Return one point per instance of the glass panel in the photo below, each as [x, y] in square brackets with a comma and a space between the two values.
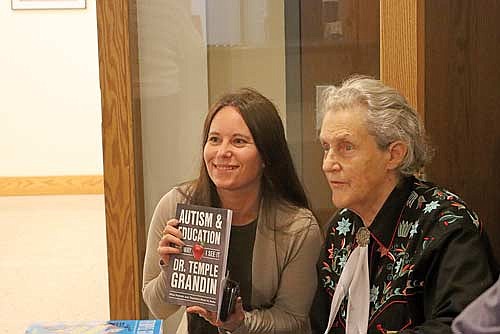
[338, 38]
[174, 92]
[191, 52]
[246, 48]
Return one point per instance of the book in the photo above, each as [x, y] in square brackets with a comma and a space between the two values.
[196, 276]
[97, 327]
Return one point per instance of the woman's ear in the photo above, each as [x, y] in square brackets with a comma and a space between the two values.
[397, 152]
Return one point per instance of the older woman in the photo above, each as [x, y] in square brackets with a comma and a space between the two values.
[401, 255]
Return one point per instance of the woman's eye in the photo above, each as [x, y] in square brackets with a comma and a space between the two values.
[346, 147]
[213, 139]
[239, 141]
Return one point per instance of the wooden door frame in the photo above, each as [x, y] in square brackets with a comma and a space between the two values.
[122, 155]
[402, 59]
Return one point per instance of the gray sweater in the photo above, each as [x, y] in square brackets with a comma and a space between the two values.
[283, 269]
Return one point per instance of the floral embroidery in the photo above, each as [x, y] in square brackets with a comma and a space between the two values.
[431, 206]
[451, 196]
[421, 200]
[384, 251]
[388, 293]
[344, 226]
[473, 216]
[399, 263]
[394, 278]
[411, 199]
[426, 242]
[373, 294]
[448, 217]
[414, 229]
[342, 260]
[401, 258]
[404, 228]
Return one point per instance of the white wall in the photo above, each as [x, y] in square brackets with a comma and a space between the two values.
[50, 112]
[255, 59]
[53, 262]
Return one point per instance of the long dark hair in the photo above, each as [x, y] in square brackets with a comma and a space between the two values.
[280, 182]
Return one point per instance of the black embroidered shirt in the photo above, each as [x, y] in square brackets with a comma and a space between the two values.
[428, 259]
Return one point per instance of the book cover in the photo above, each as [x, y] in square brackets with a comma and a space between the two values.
[196, 276]
[97, 327]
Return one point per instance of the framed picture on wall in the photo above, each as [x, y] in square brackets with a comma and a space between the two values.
[48, 4]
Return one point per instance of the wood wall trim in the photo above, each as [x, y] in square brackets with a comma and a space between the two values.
[402, 48]
[51, 185]
[118, 69]
[463, 103]
[444, 56]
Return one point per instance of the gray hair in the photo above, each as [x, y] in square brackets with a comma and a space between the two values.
[389, 117]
